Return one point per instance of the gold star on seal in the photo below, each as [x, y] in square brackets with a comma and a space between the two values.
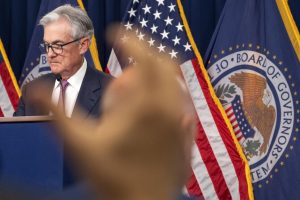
[286, 155]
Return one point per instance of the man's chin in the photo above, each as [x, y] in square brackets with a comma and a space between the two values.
[55, 70]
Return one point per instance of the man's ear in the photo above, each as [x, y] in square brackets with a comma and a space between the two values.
[84, 45]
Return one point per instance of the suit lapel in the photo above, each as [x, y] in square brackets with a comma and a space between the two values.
[90, 91]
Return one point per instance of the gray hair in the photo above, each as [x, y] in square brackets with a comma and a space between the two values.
[80, 22]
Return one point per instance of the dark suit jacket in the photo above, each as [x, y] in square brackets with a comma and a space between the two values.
[88, 99]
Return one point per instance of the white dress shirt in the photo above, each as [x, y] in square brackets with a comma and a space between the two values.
[72, 89]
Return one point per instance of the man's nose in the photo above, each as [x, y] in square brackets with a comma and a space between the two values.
[50, 52]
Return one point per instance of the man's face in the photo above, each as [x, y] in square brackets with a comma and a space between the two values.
[70, 59]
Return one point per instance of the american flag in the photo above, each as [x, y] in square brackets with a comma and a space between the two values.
[9, 89]
[240, 124]
[218, 166]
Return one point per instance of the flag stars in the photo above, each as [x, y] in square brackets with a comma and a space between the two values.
[31, 63]
[187, 47]
[128, 26]
[146, 9]
[168, 21]
[297, 130]
[151, 42]
[161, 48]
[173, 54]
[160, 2]
[295, 93]
[141, 36]
[176, 41]
[130, 60]
[154, 29]
[157, 14]
[179, 27]
[136, 1]
[267, 182]
[250, 45]
[280, 62]
[295, 138]
[274, 57]
[124, 38]
[260, 185]
[257, 47]
[143, 23]
[291, 147]
[282, 163]
[287, 156]
[293, 84]
[165, 34]
[285, 69]
[172, 7]
[132, 12]
[230, 48]
[222, 52]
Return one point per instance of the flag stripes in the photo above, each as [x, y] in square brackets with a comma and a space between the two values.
[220, 162]
[9, 89]
[1, 113]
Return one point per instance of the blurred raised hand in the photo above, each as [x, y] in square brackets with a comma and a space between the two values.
[140, 148]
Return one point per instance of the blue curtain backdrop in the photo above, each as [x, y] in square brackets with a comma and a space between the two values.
[18, 18]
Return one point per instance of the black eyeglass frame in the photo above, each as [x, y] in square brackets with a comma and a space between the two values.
[57, 47]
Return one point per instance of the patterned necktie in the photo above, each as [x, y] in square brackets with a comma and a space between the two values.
[61, 101]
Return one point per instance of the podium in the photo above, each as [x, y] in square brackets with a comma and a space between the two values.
[31, 154]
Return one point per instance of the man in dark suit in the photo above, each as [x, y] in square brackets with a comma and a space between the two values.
[72, 84]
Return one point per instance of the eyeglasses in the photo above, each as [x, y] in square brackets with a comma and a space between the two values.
[56, 48]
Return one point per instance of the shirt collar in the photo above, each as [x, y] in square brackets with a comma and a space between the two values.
[76, 79]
